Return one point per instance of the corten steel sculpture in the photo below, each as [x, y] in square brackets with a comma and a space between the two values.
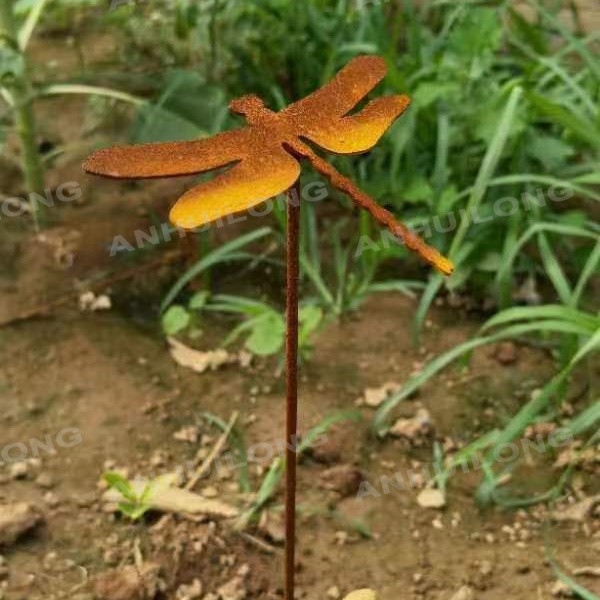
[265, 157]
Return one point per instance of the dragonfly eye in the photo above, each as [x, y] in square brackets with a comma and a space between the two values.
[249, 106]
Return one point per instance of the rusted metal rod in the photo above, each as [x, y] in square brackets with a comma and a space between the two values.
[291, 371]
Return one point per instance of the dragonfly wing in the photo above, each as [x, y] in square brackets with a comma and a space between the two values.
[170, 159]
[341, 94]
[268, 172]
[357, 133]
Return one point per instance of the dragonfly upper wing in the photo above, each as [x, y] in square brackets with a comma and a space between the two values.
[169, 159]
[266, 173]
[322, 116]
[357, 133]
[338, 97]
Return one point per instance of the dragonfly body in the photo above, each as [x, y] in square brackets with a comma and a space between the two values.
[264, 156]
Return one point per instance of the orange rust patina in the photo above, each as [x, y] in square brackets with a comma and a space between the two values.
[264, 155]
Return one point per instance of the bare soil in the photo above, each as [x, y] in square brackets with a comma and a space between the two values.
[109, 377]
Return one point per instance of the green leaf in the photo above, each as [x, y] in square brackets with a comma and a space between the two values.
[490, 262]
[12, 65]
[198, 300]
[310, 318]
[121, 484]
[550, 151]
[577, 588]
[529, 412]
[589, 269]
[477, 36]
[188, 108]
[418, 190]
[176, 319]
[429, 92]
[267, 335]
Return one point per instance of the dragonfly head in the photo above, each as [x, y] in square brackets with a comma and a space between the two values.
[251, 106]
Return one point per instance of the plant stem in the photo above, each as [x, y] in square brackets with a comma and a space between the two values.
[291, 369]
[22, 95]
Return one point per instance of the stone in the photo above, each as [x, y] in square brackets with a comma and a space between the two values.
[16, 520]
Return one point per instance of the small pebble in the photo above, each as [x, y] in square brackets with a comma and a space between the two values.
[18, 470]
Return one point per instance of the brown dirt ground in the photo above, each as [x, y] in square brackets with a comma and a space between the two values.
[110, 376]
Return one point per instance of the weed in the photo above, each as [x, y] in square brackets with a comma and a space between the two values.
[578, 333]
[134, 505]
[270, 483]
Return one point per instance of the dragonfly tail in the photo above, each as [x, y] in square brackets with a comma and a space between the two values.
[381, 215]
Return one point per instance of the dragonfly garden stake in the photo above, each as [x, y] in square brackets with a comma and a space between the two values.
[264, 161]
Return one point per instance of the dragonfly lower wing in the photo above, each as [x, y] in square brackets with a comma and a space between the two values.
[358, 133]
[257, 178]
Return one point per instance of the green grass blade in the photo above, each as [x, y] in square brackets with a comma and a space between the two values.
[584, 129]
[397, 285]
[484, 176]
[325, 424]
[576, 42]
[578, 589]
[270, 484]
[30, 23]
[527, 414]
[590, 267]
[488, 165]
[559, 228]
[554, 270]
[585, 420]
[236, 441]
[541, 179]
[316, 279]
[380, 421]
[226, 252]
[89, 90]
[433, 285]
[548, 311]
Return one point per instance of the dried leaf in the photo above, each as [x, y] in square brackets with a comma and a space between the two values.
[173, 499]
[196, 360]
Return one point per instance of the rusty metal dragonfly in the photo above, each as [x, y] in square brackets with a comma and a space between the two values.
[264, 155]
